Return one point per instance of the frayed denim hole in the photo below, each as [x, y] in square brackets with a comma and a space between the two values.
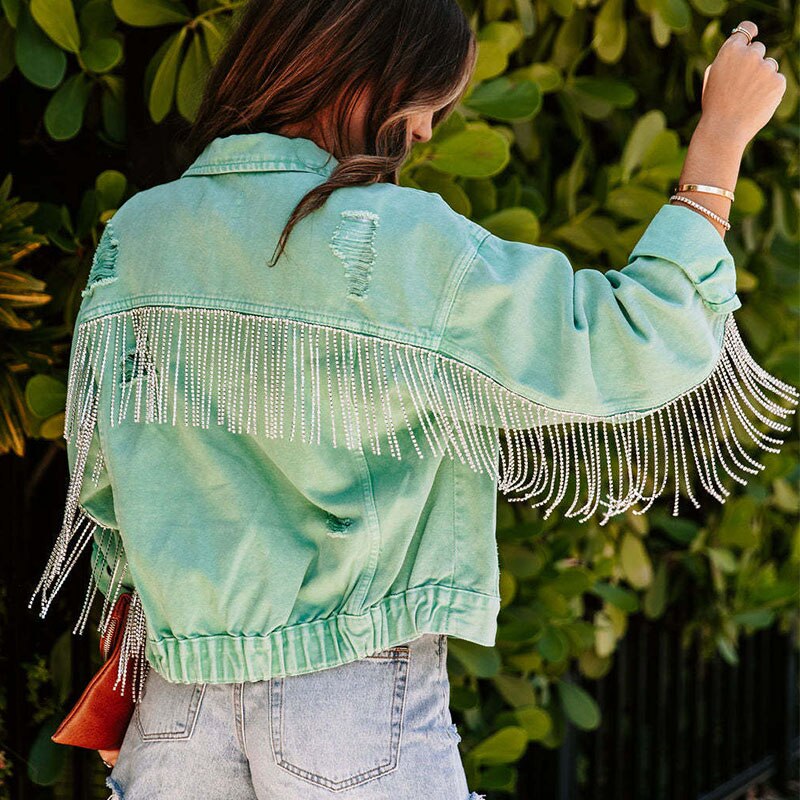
[338, 526]
[104, 262]
[452, 731]
[133, 367]
[476, 796]
[353, 244]
[116, 789]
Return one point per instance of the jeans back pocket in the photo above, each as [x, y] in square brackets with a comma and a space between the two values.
[340, 727]
[168, 710]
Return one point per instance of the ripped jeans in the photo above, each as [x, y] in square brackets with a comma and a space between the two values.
[374, 729]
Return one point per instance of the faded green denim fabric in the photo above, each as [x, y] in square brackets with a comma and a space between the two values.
[297, 466]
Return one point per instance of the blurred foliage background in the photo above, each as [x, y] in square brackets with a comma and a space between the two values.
[571, 135]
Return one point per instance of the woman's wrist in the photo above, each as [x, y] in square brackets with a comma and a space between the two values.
[713, 157]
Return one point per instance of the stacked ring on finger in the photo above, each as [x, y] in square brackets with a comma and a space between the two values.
[746, 32]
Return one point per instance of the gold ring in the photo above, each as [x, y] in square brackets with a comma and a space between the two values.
[746, 32]
[770, 58]
[110, 766]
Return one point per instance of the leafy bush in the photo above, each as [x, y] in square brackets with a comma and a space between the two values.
[571, 135]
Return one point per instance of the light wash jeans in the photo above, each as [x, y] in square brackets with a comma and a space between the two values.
[375, 729]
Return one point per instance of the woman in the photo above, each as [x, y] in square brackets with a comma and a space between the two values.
[321, 340]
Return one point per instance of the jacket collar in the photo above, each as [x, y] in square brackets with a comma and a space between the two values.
[262, 152]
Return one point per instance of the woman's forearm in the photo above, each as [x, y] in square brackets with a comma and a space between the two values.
[711, 158]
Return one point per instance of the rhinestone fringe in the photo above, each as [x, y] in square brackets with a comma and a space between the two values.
[284, 378]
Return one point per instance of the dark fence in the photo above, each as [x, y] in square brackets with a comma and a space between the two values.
[676, 727]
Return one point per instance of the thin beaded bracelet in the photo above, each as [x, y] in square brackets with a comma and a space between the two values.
[722, 221]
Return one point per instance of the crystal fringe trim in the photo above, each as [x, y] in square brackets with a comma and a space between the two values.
[70, 544]
[285, 378]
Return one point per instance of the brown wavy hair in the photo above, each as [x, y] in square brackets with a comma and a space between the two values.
[289, 61]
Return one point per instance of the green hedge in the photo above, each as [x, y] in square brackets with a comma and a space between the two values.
[571, 136]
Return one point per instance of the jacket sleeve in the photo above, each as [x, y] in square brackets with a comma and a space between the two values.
[613, 355]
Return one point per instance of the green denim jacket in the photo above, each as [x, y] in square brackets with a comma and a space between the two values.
[297, 466]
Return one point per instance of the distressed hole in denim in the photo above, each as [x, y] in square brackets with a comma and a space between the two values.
[353, 242]
[135, 364]
[338, 526]
[476, 796]
[453, 732]
[104, 262]
[116, 789]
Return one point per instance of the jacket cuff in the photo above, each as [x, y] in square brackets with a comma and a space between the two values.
[690, 240]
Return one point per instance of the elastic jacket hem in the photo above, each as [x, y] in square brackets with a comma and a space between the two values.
[329, 642]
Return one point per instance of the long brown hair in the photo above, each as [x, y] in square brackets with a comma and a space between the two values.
[289, 60]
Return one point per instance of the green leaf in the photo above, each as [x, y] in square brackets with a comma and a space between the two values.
[737, 528]
[503, 747]
[192, 78]
[213, 37]
[516, 691]
[619, 596]
[97, 20]
[499, 776]
[640, 140]
[723, 559]
[727, 649]
[46, 760]
[57, 19]
[527, 18]
[102, 55]
[506, 100]
[750, 198]
[113, 108]
[52, 427]
[45, 395]
[598, 97]
[634, 202]
[675, 13]
[508, 35]
[110, 185]
[756, 619]
[680, 529]
[63, 116]
[11, 10]
[163, 87]
[480, 661]
[579, 707]
[553, 645]
[514, 224]
[711, 8]
[635, 562]
[41, 61]
[610, 32]
[149, 13]
[655, 599]
[483, 196]
[492, 61]
[6, 48]
[473, 153]
[61, 665]
[536, 722]
[572, 582]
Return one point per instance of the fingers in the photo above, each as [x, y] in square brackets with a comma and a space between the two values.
[740, 38]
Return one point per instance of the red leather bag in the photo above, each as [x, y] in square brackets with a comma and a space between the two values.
[100, 718]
